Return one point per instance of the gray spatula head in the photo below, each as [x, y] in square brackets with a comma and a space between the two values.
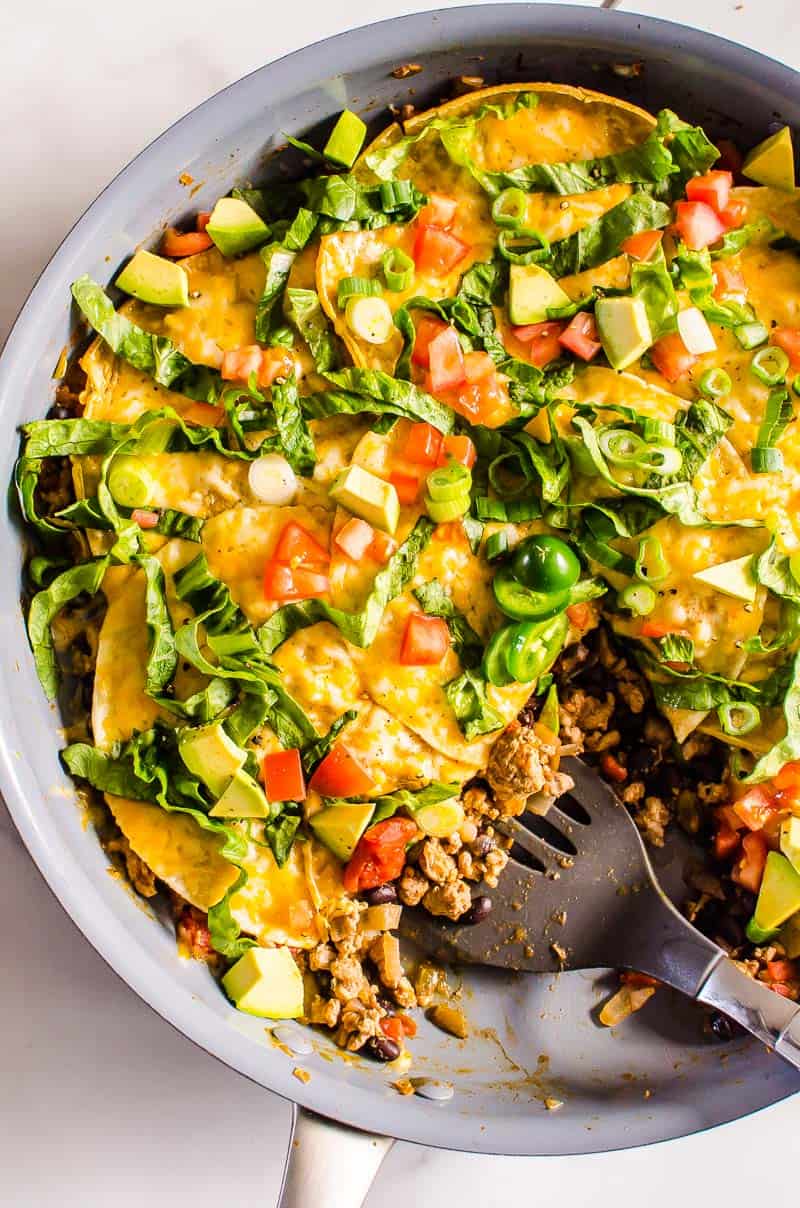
[578, 893]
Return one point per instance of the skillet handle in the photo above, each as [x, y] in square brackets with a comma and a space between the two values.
[768, 1016]
[329, 1165]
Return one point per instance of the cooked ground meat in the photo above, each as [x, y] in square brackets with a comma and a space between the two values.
[140, 875]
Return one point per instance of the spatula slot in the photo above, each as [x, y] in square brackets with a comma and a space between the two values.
[526, 858]
[573, 810]
[549, 834]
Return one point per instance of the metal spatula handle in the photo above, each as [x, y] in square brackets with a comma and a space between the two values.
[768, 1016]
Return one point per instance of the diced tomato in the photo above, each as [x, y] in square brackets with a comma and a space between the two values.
[671, 357]
[428, 327]
[450, 533]
[726, 816]
[749, 870]
[380, 854]
[782, 989]
[145, 519]
[355, 538]
[782, 971]
[642, 245]
[631, 977]
[238, 364]
[203, 219]
[733, 215]
[282, 773]
[613, 768]
[409, 1025]
[383, 546]
[755, 807]
[340, 775]
[205, 415]
[423, 444]
[788, 338]
[482, 402]
[439, 212]
[407, 487]
[446, 361]
[184, 243]
[727, 280]
[296, 547]
[425, 642]
[287, 584]
[788, 778]
[392, 1026]
[579, 615]
[697, 224]
[726, 841]
[275, 363]
[457, 448]
[437, 251]
[655, 629]
[713, 188]
[730, 157]
[478, 366]
[543, 340]
[580, 337]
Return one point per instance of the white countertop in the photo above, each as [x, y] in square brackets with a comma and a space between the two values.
[102, 1102]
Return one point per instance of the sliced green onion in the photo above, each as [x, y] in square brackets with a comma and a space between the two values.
[769, 365]
[558, 517]
[715, 383]
[449, 482]
[532, 247]
[620, 446]
[750, 335]
[765, 459]
[398, 269]
[661, 459]
[794, 567]
[496, 545]
[639, 598]
[796, 384]
[651, 565]
[515, 510]
[281, 337]
[130, 481]
[738, 717]
[357, 287]
[396, 194]
[509, 208]
[658, 431]
[443, 510]
[500, 483]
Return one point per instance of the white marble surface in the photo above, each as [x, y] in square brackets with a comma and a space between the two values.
[101, 1101]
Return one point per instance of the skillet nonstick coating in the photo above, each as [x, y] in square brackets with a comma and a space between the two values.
[533, 1037]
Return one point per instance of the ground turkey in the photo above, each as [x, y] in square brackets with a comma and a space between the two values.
[520, 765]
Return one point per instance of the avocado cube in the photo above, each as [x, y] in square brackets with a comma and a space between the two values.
[779, 896]
[346, 139]
[211, 755]
[772, 161]
[790, 936]
[734, 578]
[367, 496]
[235, 227]
[266, 982]
[340, 827]
[624, 329]
[790, 841]
[531, 293]
[243, 798]
[153, 279]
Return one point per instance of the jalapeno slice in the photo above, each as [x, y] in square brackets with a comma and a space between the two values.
[495, 666]
[532, 647]
[521, 603]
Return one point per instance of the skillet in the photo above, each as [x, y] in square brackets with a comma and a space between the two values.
[533, 1038]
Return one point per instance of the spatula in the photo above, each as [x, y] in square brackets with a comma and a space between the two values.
[579, 892]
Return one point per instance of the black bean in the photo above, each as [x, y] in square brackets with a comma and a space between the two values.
[482, 845]
[480, 909]
[382, 895]
[382, 1048]
[641, 759]
[722, 1028]
[664, 781]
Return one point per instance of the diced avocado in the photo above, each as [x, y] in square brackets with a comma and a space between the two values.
[772, 161]
[624, 329]
[153, 279]
[209, 753]
[235, 227]
[549, 716]
[790, 841]
[441, 818]
[531, 293]
[340, 827]
[266, 982]
[779, 896]
[243, 798]
[790, 936]
[367, 496]
[346, 140]
[732, 578]
[130, 482]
